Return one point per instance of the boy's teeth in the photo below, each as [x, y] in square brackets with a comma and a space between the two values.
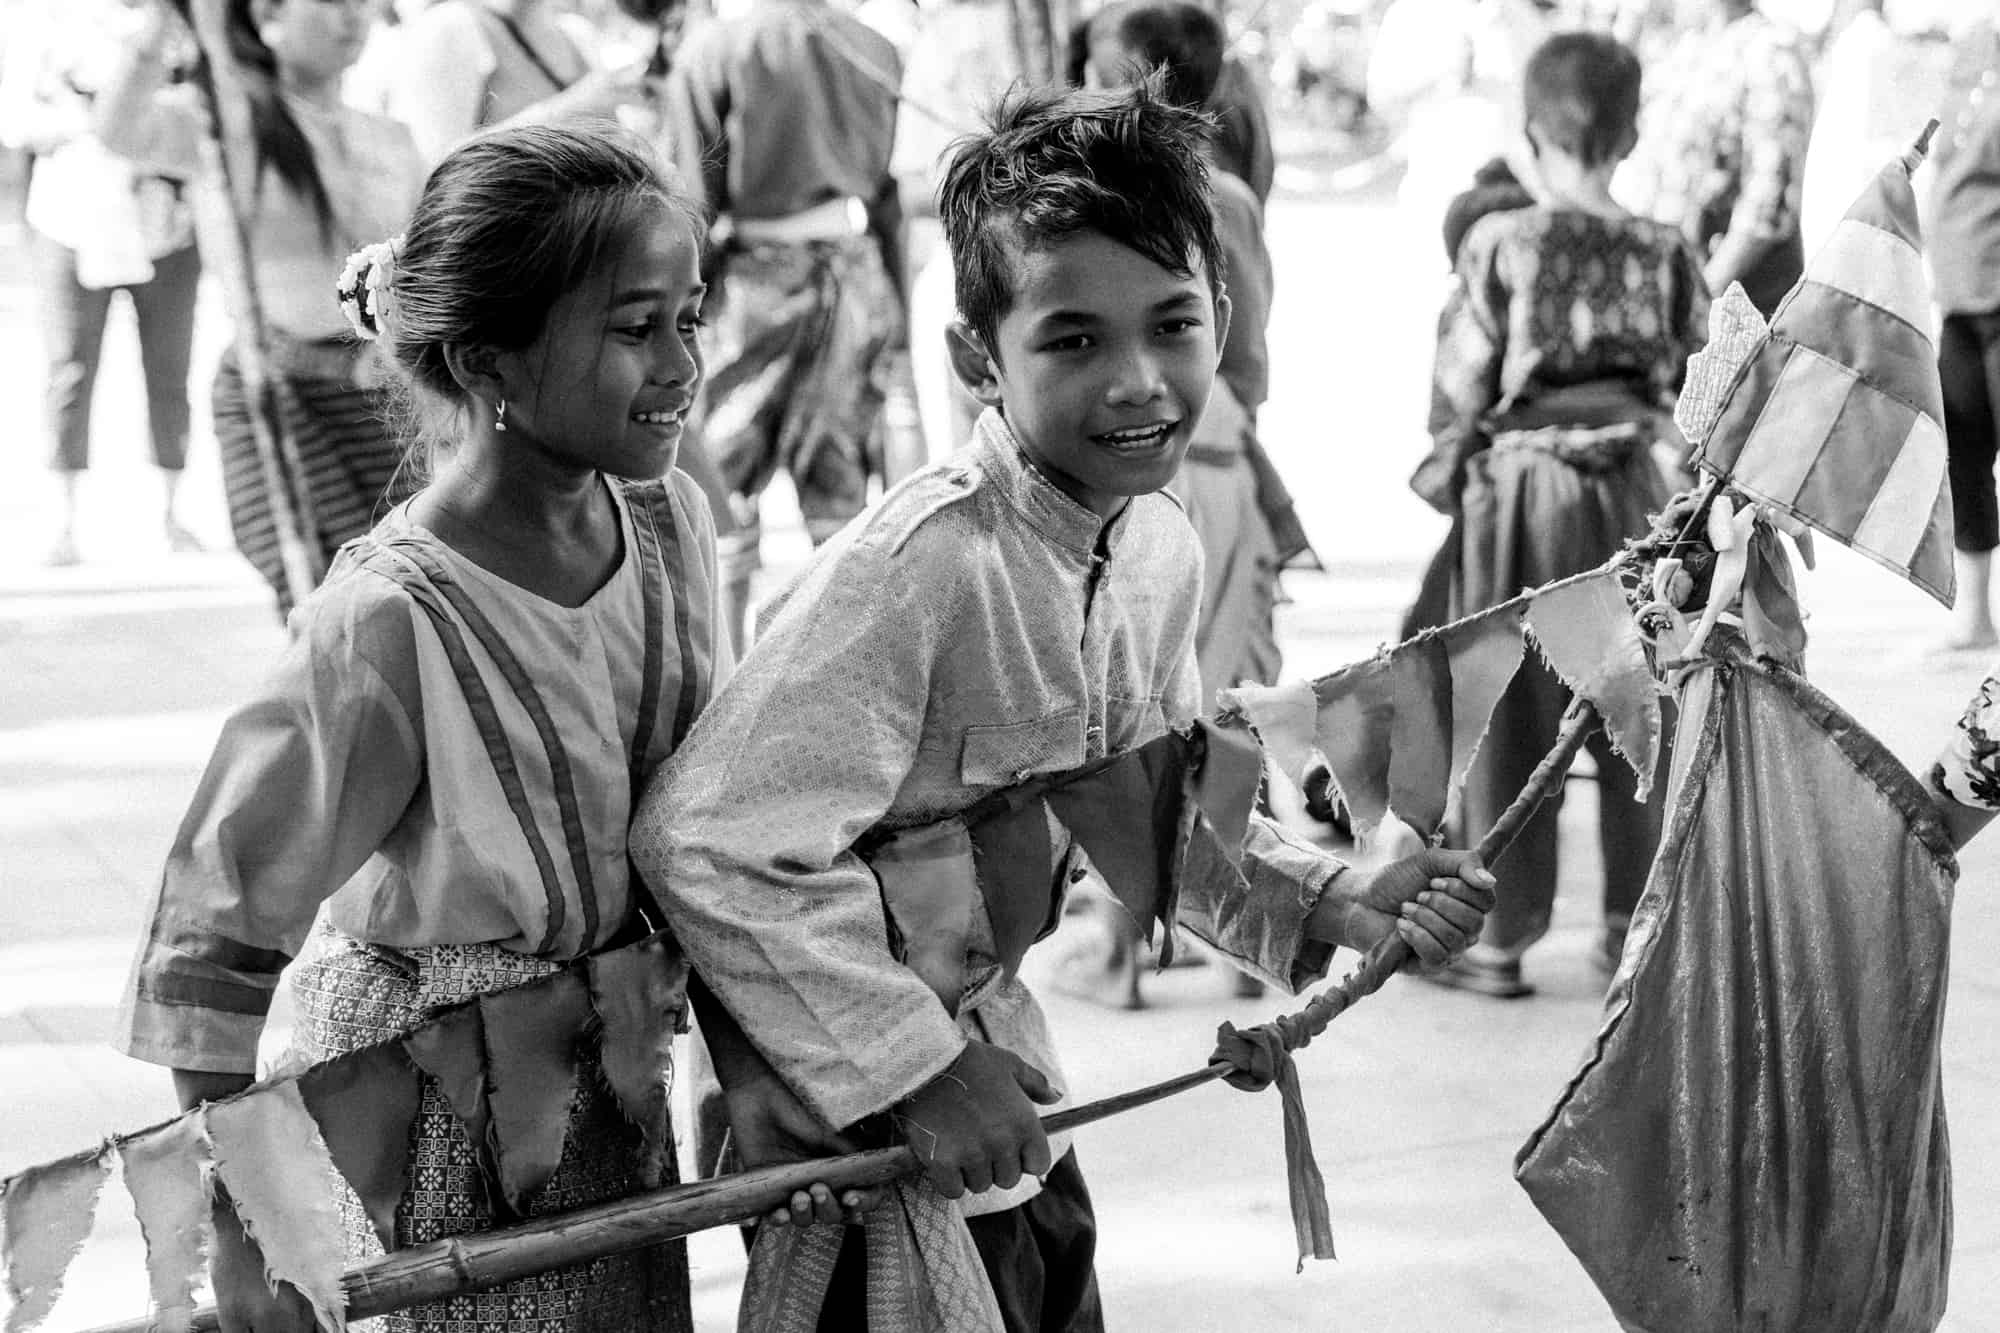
[656, 418]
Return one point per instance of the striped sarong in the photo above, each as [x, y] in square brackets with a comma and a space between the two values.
[349, 452]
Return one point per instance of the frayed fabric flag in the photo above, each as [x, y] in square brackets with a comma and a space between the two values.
[364, 1104]
[1485, 652]
[1586, 633]
[927, 879]
[639, 994]
[270, 1158]
[1127, 817]
[46, 1212]
[451, 1048]
[1285, 718]
[162, 1169]
[1354, 727]
[1013, 856]
[1420, 734]
[532, 1034]
[1223, 781]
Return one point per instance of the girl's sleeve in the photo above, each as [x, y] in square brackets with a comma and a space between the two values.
[1968, 771]
[306, 781]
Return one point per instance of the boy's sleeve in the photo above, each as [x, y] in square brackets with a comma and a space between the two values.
[1256, 915]
[746, 836]
[1465, 377]
[306, 781]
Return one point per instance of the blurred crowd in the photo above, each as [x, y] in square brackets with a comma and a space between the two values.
[1684, 147]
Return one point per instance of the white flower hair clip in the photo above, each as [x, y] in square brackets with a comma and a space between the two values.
[366, 286]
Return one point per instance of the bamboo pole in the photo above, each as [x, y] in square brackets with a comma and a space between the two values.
[460, 1264]
[225, 244]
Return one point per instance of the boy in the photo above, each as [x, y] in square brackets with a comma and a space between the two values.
[1021, 609]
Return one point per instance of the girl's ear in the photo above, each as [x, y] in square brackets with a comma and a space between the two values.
[476, 367]
[972, 364]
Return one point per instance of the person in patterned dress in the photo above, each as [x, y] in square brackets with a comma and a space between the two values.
[1567, 332]
[440, 770]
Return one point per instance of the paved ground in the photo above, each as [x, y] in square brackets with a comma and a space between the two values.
[117, 675]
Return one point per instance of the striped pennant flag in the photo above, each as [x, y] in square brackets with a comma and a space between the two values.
[1835, 416]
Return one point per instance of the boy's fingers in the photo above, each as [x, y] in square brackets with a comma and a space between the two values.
[1425, 945]
[1035, 1158]
[1461, 914]
[1033, 1082]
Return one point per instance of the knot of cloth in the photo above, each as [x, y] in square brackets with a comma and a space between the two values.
[1258, 1057]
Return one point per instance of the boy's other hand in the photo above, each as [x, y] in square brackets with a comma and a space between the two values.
[769, 1125]
[976, 1125]
[1437, 900]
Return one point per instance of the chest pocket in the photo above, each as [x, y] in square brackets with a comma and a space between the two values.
[996, 756]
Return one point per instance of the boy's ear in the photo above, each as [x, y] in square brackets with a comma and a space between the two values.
[1224, 310]
[972, 364]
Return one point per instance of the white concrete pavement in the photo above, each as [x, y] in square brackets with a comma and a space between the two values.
[116, 675]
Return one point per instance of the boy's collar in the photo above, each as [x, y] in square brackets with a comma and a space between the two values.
[1049, 511]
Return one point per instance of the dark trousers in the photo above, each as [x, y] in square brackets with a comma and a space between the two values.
[73, 318]
[1969, 366]
[1040, 1258]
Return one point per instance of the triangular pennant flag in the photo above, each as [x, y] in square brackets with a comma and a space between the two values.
[639, 994]
[450, 1046]
[1420, 732]
[271, 1160]
[1225, 781]
[1013, 853]
[1357, 710]
[162, 1168]
[365, 1103]
[46, 1212]
[532, 1037]
[1485, 652]
[1585, 630]
[1837, 415]
[927, 878]
[1285, 718]
[1127, 818]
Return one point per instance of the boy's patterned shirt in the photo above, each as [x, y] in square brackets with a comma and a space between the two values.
[959, 637]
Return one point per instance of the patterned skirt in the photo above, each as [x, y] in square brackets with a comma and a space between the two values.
[349, 995]
[346, 448]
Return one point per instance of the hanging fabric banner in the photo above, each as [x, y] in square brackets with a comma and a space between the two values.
[270, 1158]
[639, 995]
[46, 1213]
[532, 1033]
[1586, 633]
[364, 1104]
[1127, 818]
[162, 1169]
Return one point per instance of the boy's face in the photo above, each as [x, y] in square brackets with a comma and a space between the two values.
[1103, 366]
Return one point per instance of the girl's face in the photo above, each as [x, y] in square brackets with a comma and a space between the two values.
[609, 383]
[316, 40]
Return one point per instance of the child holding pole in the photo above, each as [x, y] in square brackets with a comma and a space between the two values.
[441, 767]
[1020, 609]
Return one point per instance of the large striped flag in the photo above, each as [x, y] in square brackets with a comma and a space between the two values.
[1836, 414]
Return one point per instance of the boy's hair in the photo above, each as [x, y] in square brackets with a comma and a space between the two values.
[1055, 163]
[1183, 41]
[1580, 95]
[506, 224]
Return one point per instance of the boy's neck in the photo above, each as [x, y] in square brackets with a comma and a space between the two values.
[1567, 183]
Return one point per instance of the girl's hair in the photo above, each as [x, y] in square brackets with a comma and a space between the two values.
[1581, 95]
[280, 143]
[507, 223]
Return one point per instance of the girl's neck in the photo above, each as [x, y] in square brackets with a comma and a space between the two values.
[314, 91]
[518, 490]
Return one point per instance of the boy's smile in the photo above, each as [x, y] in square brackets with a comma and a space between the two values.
[1103, 366]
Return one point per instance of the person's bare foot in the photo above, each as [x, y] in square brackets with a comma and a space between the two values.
[1964, 639]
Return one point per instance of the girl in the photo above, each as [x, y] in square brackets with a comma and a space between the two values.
[443, 763]
[318, 180]
[1567, 333]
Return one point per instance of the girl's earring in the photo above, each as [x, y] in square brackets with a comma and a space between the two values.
[500, 416]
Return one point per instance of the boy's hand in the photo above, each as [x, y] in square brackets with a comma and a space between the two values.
[975, 1126]
[1437, 900]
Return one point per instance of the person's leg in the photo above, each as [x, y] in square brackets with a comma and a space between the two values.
[165, 311]
[837, 401]
[1041, 1257]
[1968, 368]
[72, 320]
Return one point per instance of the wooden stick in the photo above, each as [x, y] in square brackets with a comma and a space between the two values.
[452, 1267]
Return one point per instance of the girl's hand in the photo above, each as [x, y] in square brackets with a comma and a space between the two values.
[245, 1302]
[770, 1125]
